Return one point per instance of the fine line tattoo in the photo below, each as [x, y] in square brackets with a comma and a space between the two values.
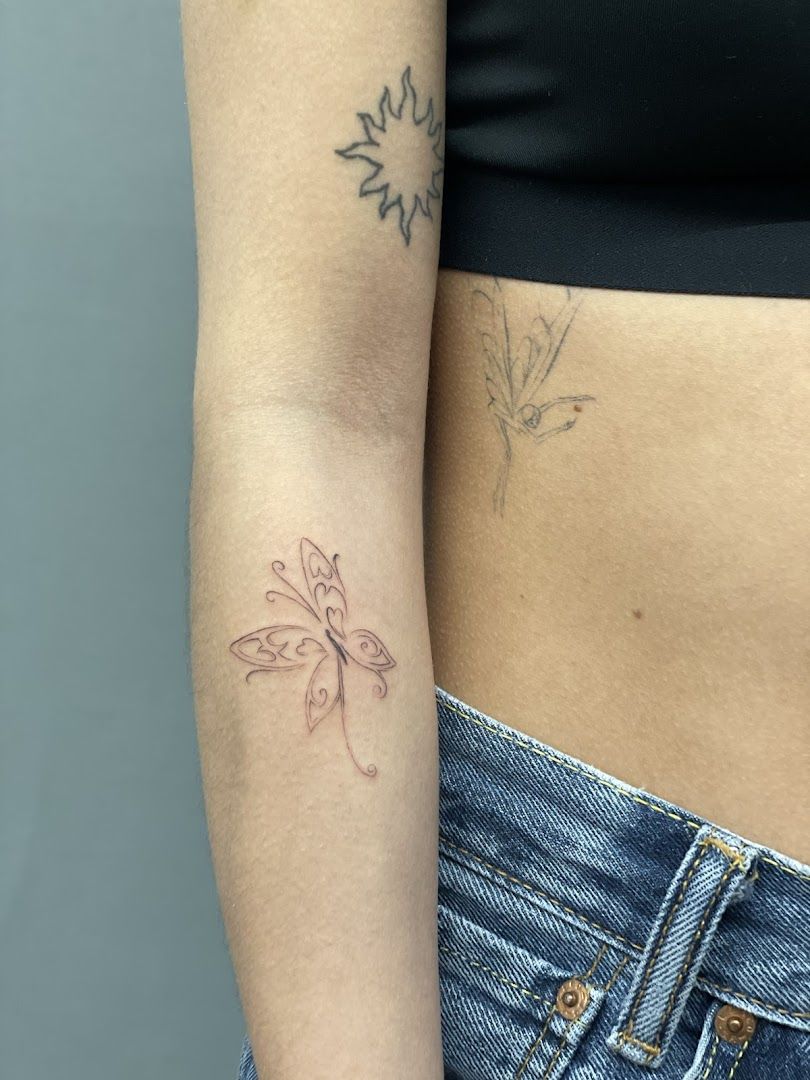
[514, 376]
[318, 639]
[402, 146]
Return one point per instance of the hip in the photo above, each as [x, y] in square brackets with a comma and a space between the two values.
[588, 929]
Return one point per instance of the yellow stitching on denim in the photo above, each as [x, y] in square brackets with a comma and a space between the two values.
[540, 892]
[597, 960]
[533, 1048]
[753, 1000]
[734, 856]
[562, 1044]
[612, 980]
[490, 971]
[651, 1050]
[712, 1055]
[574, 1020]
[571, 1023]
[785, 869]
[695, 939]
[662, 938]
[605, 783]
[618, 937]
[567, 765]
[738, 1059]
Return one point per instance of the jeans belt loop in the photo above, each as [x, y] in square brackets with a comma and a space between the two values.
[711, 875]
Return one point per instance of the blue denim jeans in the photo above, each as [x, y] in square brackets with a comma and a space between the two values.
[590, 930]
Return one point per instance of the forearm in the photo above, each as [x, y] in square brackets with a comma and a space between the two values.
[326, 873]
[317, 154]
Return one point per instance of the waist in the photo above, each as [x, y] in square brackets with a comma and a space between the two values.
[618, 541]
[603, 855]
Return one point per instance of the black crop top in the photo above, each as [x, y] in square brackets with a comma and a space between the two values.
[635, 144]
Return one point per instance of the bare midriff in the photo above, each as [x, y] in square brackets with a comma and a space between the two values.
[632, 588]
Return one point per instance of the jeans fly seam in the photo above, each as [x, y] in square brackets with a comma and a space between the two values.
[606, 783]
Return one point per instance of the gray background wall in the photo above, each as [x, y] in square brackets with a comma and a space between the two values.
[112, 961]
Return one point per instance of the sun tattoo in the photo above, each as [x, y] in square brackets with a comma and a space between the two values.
[515, 375]
[320, 640]
[403, 149]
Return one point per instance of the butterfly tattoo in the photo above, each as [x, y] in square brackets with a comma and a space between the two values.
[516, 369]
[317, 637]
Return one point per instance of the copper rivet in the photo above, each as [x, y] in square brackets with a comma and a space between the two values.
[734, 1025]
[572, 999]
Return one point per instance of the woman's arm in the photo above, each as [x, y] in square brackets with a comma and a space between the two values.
[315, 312]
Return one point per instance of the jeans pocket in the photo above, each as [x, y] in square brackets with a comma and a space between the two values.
[507, 1013]
[737, 1044]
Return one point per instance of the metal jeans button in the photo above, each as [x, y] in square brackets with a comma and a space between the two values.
[572, 999]
[734, 1025]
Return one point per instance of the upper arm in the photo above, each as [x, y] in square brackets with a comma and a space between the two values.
[317, 146]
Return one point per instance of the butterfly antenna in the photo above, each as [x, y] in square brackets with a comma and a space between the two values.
[277, 567]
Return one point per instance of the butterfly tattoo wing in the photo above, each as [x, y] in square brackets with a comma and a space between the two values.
[545, 340]
[278, 648]
[284, 648]
[490, 317]
[324, 586]
[367, 650]
[324, 690]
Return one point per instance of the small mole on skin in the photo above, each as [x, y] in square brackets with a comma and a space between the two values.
[637, 612]
[577, 408]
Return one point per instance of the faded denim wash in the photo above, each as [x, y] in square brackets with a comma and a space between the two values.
[590, 930]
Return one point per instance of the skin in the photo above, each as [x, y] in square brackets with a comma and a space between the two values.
[678, 495]
[643, 603]
[311, 381]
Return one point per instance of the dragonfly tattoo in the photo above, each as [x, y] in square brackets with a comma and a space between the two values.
[318, 639]
[515, 375]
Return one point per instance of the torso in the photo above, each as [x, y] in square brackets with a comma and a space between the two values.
[635, 589]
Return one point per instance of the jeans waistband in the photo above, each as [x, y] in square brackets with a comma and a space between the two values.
[621, 862]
